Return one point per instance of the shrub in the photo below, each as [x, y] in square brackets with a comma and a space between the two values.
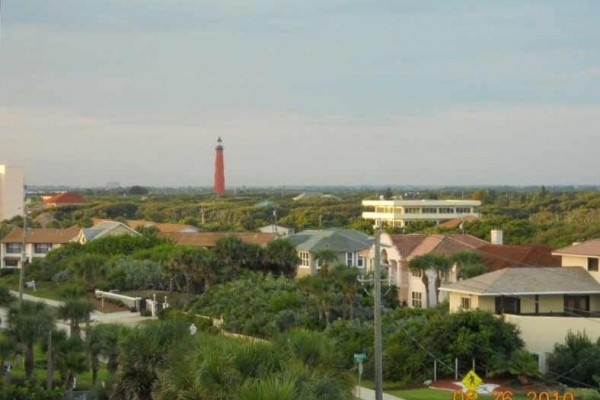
[62, 276]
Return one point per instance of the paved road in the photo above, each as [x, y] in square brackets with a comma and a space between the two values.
[368, 394]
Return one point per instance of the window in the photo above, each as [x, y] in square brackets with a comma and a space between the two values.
[417, 273]
[463, 210]
[11, 263]
[446, 210]
[508, 305]
[13, 248]
[412, 210]
[592, 264]
[417, 299]
[349, 259]
[361, 262]
[42, 248]
[465, 303]
[429, 210]
[305, 258]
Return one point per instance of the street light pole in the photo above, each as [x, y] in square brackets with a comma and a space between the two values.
[377, 315]
[23, 250]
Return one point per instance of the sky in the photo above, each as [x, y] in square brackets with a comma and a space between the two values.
[302, 92]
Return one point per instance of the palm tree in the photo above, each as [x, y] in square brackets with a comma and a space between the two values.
[427, 262]
[163, 254]
[469, 264]
[281, 257]
[76, 311]
[89, 268]
[322, 290]
[345, 278]
[70, 360]
[7, 350]
[232, 255]
[27, 323]
[324, 257]
[144, 352]
[103, 341]
[195, 264]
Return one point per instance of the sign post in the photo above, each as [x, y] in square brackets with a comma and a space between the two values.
[360, 358]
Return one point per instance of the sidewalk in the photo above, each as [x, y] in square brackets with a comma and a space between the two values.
[368, 394]
[28, 297]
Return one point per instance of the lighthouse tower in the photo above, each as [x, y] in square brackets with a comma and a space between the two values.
[219, 187]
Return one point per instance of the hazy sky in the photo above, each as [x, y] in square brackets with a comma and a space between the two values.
[339, 92]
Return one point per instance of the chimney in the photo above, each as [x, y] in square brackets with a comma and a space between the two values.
[497, 236]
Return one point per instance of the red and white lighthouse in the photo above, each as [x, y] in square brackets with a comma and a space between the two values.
[219, 186]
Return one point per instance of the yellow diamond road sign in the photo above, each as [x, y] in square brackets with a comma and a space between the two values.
[472, 380]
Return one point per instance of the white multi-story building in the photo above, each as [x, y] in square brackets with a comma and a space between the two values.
[398, 213]
[12, 191]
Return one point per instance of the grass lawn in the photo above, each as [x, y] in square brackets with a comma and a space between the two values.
[435, 394]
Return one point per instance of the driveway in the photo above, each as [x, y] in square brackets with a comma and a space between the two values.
[121, 317]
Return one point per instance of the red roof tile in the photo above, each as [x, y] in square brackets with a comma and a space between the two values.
[65, 198]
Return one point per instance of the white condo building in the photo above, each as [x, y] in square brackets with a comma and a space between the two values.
[398, 213]
[12, 192]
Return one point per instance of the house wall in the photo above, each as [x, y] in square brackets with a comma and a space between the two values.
[579, 261]
[304, 270]
[483, 303]
[29, 250]
[574, 261]
[541, 333]
[487, 304]
[554, 303]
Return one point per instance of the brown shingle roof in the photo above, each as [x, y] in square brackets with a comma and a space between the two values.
[413, 245]
[455, 223]
[587, 248]
[497, 257]
[54, 236]
[162, 227]
[209, 239]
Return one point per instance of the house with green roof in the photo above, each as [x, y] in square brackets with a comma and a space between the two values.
[104, 229]
[351, 248]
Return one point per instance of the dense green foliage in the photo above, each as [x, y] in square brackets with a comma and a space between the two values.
[576, 361]
[162, 360]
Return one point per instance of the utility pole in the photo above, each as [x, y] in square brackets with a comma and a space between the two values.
[23, 250]
[377, 315]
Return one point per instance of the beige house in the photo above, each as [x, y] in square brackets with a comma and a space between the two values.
[585, 255]
[399, 213]
[398, 250]
[545, 303]
[38, 243]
